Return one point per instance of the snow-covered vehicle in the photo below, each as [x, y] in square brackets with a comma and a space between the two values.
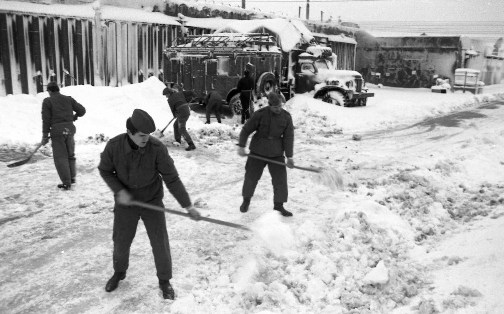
[217, 62]
[441, 85]
[468, 79]
[315, 69]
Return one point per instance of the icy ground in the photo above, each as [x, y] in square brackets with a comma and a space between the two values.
[418, 228]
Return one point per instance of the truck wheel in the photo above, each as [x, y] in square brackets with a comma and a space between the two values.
[266, 83]
[235, 105]
[333, 97]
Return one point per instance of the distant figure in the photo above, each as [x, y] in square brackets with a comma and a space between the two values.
[273, 138]
[213, 103]
[57, 120]
[179, 106]
[245, 87]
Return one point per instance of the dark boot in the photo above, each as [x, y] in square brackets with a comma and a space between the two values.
[114, 281]
[191, 147]
[245, 205]
[167, 289]
[64, 187]
[282, 210]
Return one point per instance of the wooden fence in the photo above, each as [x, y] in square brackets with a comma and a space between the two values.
[36, 49]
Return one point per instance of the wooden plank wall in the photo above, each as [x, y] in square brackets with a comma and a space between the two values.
[35, 50]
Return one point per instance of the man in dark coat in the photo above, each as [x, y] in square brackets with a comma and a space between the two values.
[134, 166]
[213, 103]
[179, 106]
[245, 87]
[274, 137]
[57, 121]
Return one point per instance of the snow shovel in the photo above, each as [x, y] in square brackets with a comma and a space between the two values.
[176, 212]
[167, 125]
[329, 177]
[24, 161]
[316, 170]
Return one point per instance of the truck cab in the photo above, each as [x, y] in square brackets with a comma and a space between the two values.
[314, 68]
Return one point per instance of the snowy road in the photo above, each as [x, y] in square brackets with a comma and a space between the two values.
[407, 190]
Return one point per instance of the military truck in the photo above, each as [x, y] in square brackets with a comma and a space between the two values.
[218, 61]
[314, 68]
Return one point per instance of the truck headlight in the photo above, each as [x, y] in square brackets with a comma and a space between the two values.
[350, 94]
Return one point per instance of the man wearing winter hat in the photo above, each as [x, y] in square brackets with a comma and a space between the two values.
[179, 107]
[273, 138]
[57, 120]
[134, 166]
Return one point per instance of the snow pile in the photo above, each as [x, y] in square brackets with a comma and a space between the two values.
[344, 251]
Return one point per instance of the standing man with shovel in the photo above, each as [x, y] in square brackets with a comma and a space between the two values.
[274, 137]
[134, 166]
[57, 121]
[179, 106]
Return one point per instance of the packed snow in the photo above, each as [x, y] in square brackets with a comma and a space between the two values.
[416, 225]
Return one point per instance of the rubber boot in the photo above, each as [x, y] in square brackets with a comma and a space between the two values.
[167, 289]
[279, 206]
[114, 281]
[190, 147]
[245, 205]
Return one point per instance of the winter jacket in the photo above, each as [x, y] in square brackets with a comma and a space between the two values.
[274, 133]
[245, 87]
[179, 105]
[141, 171]
[58, 113]
[213, 99]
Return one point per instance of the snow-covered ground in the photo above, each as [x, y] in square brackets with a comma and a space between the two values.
[418, 228]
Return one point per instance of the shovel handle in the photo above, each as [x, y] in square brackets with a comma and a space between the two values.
[176, 212]
[168, 124]
[284, 164]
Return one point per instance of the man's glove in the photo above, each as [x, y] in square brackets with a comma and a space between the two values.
[193, 212]
[75, 117]
[45, 139]
[241, 151]
[290, 163]
[123, 197]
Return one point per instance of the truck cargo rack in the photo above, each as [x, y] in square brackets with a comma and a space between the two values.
[228, 41]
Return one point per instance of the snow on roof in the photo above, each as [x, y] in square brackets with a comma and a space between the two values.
[213, 23]
[290, 32]
[318, 50]
[200, 5]
[87, 11]
[337, 38]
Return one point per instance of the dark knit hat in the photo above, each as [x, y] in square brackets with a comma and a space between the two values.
[53, 87]
[142, 121]
[168, 91]
[274, 99]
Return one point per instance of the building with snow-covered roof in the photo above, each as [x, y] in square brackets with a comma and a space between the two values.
[79, 44]
[415, 61]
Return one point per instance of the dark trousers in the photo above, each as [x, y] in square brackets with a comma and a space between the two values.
[180, 130]
[216, 108]
[63, 147]
[125, 225]
[245, 104]
[253, 172]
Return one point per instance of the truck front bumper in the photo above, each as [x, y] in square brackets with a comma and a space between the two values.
[362, 95]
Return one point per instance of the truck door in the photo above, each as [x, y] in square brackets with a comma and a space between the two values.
[305, 77]
[173, 74]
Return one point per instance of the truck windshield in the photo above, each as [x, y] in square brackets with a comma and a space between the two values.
[321, 65]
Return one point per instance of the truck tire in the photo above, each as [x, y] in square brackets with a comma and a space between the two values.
[266, 83]
[235, 105]
[333, 97]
